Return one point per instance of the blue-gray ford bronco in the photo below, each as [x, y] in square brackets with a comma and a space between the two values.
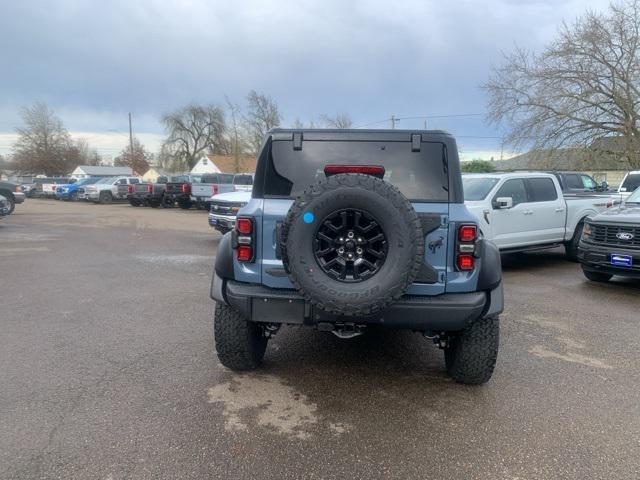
[353, 228]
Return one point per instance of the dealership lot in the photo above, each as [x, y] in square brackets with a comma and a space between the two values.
[108, 370]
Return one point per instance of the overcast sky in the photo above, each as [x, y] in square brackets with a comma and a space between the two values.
[94, 61]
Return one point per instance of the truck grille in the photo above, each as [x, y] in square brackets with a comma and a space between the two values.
[80, 190]
[225, 208]
[608, 235]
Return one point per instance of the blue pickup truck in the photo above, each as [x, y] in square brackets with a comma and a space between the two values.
[348, 229]
[69, 191]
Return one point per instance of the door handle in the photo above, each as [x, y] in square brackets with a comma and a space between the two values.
[528, 212]
[559, 209]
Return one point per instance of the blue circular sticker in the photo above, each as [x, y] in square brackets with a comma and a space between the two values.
[308, 217]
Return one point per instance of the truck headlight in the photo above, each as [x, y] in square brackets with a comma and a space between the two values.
[587, 230]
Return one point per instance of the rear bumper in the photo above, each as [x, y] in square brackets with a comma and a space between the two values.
[222, 222]
[596, 258]
[446, 312]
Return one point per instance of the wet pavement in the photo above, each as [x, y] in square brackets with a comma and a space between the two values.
[109, 370]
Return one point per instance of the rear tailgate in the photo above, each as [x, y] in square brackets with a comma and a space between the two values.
[175, 188]
[202, 190]
[122, 191]
[420, 175]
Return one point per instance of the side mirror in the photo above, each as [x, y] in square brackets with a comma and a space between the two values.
[504, 202]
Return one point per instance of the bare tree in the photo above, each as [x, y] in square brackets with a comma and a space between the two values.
[262, 115]
[237, 140]
[86, 155]
[583, 87]
[194, 130]
[297, 123]
[137, 160]
[43, 144]
[339, 120]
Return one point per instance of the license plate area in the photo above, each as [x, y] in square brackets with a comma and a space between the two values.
[620, 260]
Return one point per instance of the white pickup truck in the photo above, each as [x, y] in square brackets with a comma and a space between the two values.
[107, 190]
[527, 211]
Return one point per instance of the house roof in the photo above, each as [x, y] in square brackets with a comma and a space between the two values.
[159, 171]
[227, 163]
[102, 170]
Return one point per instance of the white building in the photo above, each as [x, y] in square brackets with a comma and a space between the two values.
[204, 165]
[84, 171]
[153, 173]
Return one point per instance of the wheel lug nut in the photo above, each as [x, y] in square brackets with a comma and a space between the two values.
[341, 250]
[359, 251]
[350, 255]
[360, 240]
[350, 234]
[341, 239]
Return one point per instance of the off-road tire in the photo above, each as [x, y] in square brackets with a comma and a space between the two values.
[571, 247]
[471, 354]
[73, 197]
[185, 204]
[397, 219]
[597, 276]
[105, 197]
[240, 344]
[135, 203]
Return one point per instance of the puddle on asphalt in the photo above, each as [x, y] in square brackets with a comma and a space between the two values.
[267, 401]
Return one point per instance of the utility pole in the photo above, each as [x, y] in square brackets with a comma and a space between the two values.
[130, 136]
[393, 122]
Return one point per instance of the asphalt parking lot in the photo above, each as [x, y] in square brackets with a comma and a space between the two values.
[108, 370]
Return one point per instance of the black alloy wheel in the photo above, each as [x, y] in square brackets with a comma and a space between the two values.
[350, 245]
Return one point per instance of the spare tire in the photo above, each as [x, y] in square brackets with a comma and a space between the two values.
[352, 244]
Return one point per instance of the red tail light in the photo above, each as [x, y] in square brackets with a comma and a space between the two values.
[466, 247]
[375, 170]
[244, 253]
[214, 189]
[186, 188]
[244, 226]
[149, 188]
[244, 239]
[467, 233]
[465, 262]
[130, 189]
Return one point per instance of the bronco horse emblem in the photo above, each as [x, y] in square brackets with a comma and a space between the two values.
[435, 244]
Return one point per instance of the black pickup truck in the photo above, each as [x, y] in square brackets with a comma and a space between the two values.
[148, 194]
[178, 190]
[610, 243]
[577, 182]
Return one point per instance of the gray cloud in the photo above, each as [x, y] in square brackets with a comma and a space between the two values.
[94, 61]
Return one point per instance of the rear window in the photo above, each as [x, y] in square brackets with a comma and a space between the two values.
[477, 188]
[573, 181]
[630, 183]
[179, 179]
[542, 190]
[418, 175]
[243, 180]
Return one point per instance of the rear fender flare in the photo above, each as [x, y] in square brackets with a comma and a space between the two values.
[490, 274]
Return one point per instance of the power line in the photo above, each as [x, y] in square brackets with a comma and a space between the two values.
[393, 119]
